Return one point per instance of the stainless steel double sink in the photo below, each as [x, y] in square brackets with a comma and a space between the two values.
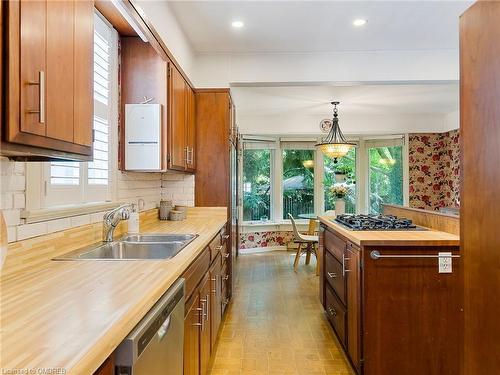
[134, 247]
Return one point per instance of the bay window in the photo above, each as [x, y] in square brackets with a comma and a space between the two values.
[290, 176]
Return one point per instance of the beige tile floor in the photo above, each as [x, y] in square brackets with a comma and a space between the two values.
[275, 324]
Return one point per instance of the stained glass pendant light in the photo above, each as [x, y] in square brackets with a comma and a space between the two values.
[335, 145]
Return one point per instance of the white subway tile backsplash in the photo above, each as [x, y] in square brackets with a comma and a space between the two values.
[6, 201]
[11, 234]
[77, 221]
[12, 217]
[130, 186]
[58, 225]
[31, 230]
[19, 200]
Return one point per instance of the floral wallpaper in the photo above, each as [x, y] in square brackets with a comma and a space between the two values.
[265, 239]
[434, 163]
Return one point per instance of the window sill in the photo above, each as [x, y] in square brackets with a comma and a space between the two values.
[60, 212]
[272, 226]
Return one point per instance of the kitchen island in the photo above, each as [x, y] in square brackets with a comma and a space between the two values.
[69, 316]
[388, 304]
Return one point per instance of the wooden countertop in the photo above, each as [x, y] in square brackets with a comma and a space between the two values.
[73, 314]
[393, 238]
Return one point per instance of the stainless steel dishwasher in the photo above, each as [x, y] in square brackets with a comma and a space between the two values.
[155, 345]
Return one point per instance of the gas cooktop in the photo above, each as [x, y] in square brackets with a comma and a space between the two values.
[376, 222]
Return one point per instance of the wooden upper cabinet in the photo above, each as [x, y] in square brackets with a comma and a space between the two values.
[49, 79]
[178, 120]
[213, 126]
[143, 74]
[191, 130]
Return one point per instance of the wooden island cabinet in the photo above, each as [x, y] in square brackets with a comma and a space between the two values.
[392, 315]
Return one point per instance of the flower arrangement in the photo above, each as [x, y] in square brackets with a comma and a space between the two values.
[339, 191]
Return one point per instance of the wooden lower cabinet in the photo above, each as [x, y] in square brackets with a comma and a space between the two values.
[392, 315]
[192, 325]
[205, 329]
[204, 309]
[216, 294]
[352, 258]
[107, 368]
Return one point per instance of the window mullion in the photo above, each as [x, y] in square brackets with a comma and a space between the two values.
[278, 188]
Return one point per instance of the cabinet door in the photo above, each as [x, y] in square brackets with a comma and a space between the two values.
[216, 294]
[205, 342]
[32, 17]
[191, 130]
[60, 68]
[50, 77]
[192, 328]
[177, 126]
[352, 264]
[107, 368]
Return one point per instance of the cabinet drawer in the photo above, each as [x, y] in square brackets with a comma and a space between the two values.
[215, 247]
[195, 272]
[334, 277]
[336, 314]
[335, 245]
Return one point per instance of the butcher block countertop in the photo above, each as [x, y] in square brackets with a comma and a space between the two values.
[71, 315]
[393, 238]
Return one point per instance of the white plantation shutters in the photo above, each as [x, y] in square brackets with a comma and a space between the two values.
[74, 182]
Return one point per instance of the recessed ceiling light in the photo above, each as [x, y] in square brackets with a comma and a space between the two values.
[359, 22]
[237, 24]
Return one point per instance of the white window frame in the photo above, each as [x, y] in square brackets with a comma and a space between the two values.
[362, 174]
[261, 143]
[38, 188]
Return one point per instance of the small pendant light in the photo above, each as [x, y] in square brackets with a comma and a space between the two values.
[335, 145]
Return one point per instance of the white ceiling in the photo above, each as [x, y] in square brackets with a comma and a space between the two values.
[378, 99]
[313, 26]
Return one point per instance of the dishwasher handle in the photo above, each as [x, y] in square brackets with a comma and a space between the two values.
[164, 328]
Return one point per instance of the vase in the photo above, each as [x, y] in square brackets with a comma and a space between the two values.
[339, 207]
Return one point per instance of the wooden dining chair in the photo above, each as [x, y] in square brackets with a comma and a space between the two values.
[310, 242]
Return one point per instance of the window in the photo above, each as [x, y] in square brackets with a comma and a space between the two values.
[281, 176]
[386, 176]
[298, 182]
[342, 172]
[74, 182]
[256, 185]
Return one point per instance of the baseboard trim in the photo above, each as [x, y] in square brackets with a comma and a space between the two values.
[256, 250]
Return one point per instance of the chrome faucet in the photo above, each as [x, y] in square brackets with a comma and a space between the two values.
[111, 220]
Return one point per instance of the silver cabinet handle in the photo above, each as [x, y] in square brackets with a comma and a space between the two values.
[186, 152]
[226, 277]
[41, 96]
[344, 270]
[226, 255]
[214, 291]
[219, 248]
[202, 313]
[332, 311]
[226, 236]
[375, 254]
[332, 275]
